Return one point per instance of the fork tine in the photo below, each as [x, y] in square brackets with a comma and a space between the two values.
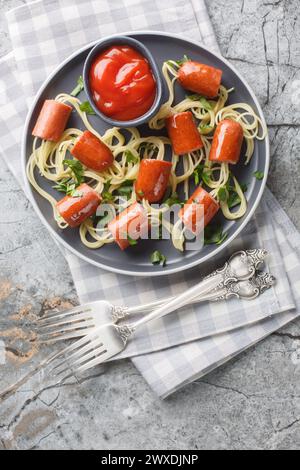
[57, 356]
[69, 320]
[97, 361]
[84, 359]
[55, 316]
[94, 362]
[76, 334]
[73, 346]
[65, 326]
[92, 353]
[68, 329]
[77, 344]
[56, 312]
[91, 345]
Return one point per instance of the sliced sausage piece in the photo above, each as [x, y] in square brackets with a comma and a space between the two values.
[92, 152]
[152, 180]
[132, 222]
[227, 142]
[52, 120]
[200, 205]
[74, 210]
[183, 133]
[200, 78]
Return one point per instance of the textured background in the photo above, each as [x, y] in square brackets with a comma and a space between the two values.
[252, 402]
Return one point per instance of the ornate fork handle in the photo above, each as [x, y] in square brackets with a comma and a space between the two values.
[119, 313]
[247, 290]
[240, 267]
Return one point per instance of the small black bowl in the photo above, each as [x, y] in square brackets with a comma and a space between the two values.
[119, 41]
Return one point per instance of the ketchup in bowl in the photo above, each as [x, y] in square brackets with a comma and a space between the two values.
[122, 83]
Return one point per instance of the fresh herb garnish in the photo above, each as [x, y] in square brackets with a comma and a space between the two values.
[205, 128]
[158, 258]
[222, 194]
[131, 241]
[214, 235]
[125, 189]
[79, 87]
[179, 62]
[203, 173]
[205, 104]
[244, 187]
[67, 186]
[140, 193]
[184, 59]
[160, 227]
[77, 170]
[194, 97]
[172, 200]
[196, 174]
[130, 157]
[86, 107]
[258, 175]
[106, 195]
[233, 198]
[205, 176]
[77, 193]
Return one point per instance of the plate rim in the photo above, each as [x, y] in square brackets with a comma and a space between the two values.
[165, 271]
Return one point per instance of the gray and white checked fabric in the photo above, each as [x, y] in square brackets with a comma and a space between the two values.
[181, 347]
[183, 364]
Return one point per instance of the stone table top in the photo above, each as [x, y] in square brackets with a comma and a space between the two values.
[252, 402]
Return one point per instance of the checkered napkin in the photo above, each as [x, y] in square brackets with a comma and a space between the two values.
[183, 346]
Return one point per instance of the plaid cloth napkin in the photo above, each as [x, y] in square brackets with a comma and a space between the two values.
[181, 347]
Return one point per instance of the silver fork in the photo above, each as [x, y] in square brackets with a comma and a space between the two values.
[108, 340]
[83, 319]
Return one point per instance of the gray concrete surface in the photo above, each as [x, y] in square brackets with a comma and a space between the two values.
[251, 403]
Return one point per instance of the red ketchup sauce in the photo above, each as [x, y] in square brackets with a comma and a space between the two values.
[122, 83]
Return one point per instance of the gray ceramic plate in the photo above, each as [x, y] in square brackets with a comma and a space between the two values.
[136, 260]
